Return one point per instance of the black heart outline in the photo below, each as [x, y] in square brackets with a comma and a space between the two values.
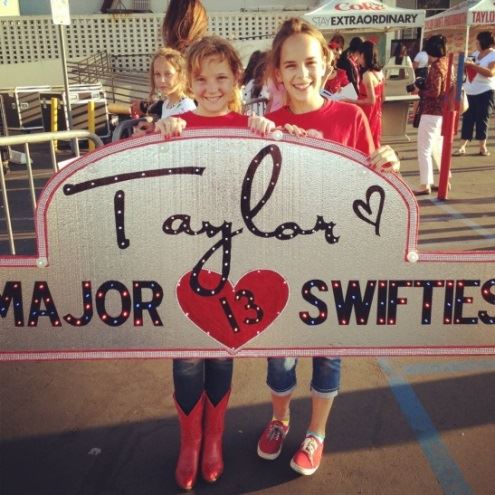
[360, 204]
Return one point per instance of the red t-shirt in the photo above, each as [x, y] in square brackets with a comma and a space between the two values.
[341, 122]
[232, 119]
[338, 81]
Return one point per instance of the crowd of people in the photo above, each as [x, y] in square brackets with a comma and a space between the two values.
[431, 66]
[356, 65]
[199, 81]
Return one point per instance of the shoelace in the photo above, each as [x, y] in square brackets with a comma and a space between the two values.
[275, 432]
[309, 445]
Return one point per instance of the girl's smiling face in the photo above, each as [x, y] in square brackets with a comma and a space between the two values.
[301, 71]
[213, 87]
[166, 78]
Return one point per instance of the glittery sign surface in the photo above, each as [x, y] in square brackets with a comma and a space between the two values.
[220, 243]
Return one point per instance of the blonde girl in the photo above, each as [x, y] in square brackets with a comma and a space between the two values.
[202, 386]
[168, 94]
[168, 82]
[214, 73]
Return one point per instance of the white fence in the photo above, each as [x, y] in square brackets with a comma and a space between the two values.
[33, 38]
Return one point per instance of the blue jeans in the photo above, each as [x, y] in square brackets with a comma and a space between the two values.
[478, 114]
[193, 376]
[325, 381]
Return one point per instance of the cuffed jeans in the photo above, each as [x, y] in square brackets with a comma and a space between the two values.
[429, 146]
[325, 382]
[478, 113]
[193, 376]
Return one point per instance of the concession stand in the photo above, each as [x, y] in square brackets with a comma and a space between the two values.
[461, 23]
[357, 16]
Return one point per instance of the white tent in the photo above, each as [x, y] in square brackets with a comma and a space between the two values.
[465, 14]
[367, 15]
[463, 17]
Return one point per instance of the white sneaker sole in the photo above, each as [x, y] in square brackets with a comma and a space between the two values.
[301, 470]
[268, 457]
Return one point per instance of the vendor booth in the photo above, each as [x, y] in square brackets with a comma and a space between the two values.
[373, 16]
[461, 23]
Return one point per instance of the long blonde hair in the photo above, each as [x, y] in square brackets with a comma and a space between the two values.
[179, 63]
[214, 46]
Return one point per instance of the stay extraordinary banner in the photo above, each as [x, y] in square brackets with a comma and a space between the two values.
[220, 243]
[358, 14]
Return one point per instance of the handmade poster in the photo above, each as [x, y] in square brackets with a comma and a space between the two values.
[221, 243]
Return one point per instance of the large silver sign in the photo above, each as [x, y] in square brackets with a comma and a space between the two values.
[220, 243]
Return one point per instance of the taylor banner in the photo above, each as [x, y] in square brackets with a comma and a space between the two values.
[221, 243]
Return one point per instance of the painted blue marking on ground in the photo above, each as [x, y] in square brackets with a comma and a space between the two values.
[430, 368]
[443, 466]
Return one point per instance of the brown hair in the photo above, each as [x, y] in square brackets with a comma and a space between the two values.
[179, 63]
[486, 39]
[185, 22]
[436, 46]
[339, 40]
[214, 46]
[290, 27]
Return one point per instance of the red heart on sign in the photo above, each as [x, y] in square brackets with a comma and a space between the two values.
[237, 313]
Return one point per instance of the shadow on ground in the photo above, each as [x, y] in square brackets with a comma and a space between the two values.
[139, 457]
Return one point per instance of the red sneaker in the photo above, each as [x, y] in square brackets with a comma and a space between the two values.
[307, 459]
[272, 439]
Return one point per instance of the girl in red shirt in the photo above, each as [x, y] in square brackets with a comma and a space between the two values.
[371, 89]
[202, 386]
[214, 72]
[299, 61]
[337, 78]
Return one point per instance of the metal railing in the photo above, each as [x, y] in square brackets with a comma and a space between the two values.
[26, 140]
[91, 69]
[255, 106]
[110, 71]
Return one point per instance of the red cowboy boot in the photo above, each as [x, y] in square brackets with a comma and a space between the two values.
[191, 427]
[212, 459]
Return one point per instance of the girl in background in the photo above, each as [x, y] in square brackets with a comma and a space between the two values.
[167, 88]
[337, 78]
[400, 57]
[255, 92]
[202, 386]
[299, 60]
[168, 79]
[348, 62]
[371, 89]
[253, 61]
[337, 42]
[255, 86]
[185, 21]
